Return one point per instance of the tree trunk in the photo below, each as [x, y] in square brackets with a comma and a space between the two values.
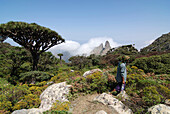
[60, 61]
[35, 57]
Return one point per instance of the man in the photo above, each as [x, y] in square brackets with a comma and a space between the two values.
[121, 75]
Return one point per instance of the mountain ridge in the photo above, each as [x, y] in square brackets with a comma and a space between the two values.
[161, 44]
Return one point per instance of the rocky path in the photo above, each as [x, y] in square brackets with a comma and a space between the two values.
[86, 105]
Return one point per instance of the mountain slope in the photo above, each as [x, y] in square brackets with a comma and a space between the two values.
[160, 44]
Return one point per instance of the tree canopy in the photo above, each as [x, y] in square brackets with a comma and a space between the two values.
[33, 37]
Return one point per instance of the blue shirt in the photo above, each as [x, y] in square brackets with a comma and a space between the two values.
[121, 72]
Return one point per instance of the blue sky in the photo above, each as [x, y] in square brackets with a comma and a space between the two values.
[125, 21]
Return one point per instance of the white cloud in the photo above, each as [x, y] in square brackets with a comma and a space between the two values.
[74, 48]
[70, 46]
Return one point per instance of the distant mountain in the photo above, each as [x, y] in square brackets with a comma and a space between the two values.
[161, 44]
[100, 50]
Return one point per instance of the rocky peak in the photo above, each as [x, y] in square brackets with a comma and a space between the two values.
[106, 49]
[100, 50]
[107, 44]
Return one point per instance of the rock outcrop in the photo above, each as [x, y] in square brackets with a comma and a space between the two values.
[100, 50]
[116, 105]
[91, 72]
[106, 49]
[48, 97]
[97, 50]
[159, 109]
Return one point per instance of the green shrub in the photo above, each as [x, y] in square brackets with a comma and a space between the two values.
[61, 106]
[28, 101]
[5, 105]
[10, 95]
[34, 76]
[146, 83]
[56, 112]
[157, 63]
[98, 82]
[151, 96]
[163, 91]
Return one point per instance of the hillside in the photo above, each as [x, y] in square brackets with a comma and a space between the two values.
[21, 88]
[160, 44]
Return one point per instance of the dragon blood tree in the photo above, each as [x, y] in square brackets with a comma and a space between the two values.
[33, 37]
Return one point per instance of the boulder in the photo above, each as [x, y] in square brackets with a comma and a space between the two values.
[113, 103]
[48, 97]
[167, 102]
[101, 112]
[52, 93]
[91, 72]
[159, 109]
[29, 111]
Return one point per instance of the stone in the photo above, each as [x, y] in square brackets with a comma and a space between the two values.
[91, 72]
[167, 102]
[159, 109]
[29, 111]
[72, 70]
[53, 93]
[113, 103]
[49, 83]
[48, 97]
[101, 112]
[22, 111]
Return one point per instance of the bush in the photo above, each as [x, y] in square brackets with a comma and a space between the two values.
[10, 95]
[56, 112]
[157, 63]
[151, 96]
[98, 82]
[34, 76]
[28, 101]
[61, 106]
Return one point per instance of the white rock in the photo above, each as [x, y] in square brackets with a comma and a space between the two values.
[29, 111]
[159, 109]
[101, 112]
[49, 83]
[91, 72]
[114, 103]
[167, 101]
[48, 97]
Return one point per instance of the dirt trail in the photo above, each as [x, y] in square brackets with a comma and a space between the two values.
[85, 105]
